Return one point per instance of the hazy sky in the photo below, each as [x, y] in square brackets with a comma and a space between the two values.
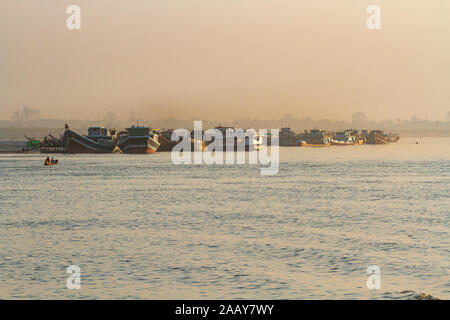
[227, 59]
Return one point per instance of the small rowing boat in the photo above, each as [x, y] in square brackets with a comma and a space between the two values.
[50, 163]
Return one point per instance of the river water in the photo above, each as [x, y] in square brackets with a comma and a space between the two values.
[140, 227]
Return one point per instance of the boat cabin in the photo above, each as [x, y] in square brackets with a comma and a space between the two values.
[319, 136]
[135, 131]
[345, 136]
[98, 132]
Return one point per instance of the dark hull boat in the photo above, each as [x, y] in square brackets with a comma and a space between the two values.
[316, 138]
[288, 138]
[99, 140]
[139, 146]
[138, 140]
[166, 143]
[242, 143]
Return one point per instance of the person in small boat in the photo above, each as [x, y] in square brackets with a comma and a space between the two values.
[47, 160]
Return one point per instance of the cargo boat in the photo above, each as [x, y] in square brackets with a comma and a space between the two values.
[344, 143]
[250, 142]
[377, 137]
[289, 139]
[316, 138]
[50, 144]
[138, 140]
[166, 144]
[345, 138]
[98, 140]
[165, 139]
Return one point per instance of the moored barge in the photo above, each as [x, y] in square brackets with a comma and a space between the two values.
[377, 137]
[248, 142]
[316, 138]
[138, 140]
[345, 138]
[98, 140]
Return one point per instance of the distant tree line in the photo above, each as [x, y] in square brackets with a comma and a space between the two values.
[28, 118]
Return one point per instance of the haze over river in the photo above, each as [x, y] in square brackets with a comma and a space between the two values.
[141, 227]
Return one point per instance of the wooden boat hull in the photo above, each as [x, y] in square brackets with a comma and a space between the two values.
[166, 145]
[139, 145]
[316, 145]
[139, 150]
[340, 143]
[76, 143]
